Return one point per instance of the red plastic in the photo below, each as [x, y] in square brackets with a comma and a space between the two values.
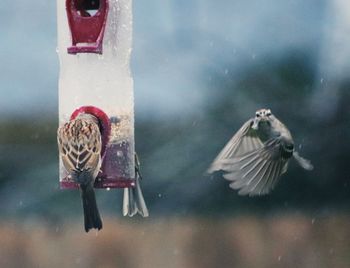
[87, 31]
[110, 176]
[100, 182]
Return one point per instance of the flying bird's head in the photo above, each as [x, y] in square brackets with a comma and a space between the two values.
[261, 116]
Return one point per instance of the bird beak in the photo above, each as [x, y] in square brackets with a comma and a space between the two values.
[255, 124]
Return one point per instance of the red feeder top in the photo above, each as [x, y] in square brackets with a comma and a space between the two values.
[87, 30]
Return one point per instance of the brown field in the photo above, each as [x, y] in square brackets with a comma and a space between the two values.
[245, 241]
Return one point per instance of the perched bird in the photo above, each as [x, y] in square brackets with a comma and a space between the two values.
[79, 143]
[133, 201]
[257, 155]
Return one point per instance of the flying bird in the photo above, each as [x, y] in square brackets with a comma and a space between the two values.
[257, 155]
[79, 143]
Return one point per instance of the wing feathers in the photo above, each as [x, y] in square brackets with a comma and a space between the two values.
[80, 145]
[257, 172]
[244, 141]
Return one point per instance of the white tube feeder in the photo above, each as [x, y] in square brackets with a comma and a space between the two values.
[94, 46]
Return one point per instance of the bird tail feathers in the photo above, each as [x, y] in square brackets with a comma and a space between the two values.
[92, 217]
[133, 201]
[304, 163]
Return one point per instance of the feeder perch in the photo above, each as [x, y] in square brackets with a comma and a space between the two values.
[87, 29]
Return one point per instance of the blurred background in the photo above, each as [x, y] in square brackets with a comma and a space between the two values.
[201, 68]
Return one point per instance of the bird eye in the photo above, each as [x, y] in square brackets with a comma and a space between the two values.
[257, 115]
[268, 114]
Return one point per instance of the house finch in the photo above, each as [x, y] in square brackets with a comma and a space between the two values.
[257, 155]
[79, 143]
[133, 198]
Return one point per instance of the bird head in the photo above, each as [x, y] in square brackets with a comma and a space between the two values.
[103, 121]
[261, 116]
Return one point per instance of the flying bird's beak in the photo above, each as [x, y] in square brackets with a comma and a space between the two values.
[255, 124]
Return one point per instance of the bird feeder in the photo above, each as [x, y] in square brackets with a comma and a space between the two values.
[87, 21]
[99, 84]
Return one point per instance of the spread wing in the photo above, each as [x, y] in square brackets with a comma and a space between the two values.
[82, 151]
[244, 141]
[257, 172]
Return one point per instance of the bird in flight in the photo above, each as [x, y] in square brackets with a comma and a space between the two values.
[257, 155]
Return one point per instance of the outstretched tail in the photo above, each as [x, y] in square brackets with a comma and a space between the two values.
[92, 217]
[304, 163]
[133, 201]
